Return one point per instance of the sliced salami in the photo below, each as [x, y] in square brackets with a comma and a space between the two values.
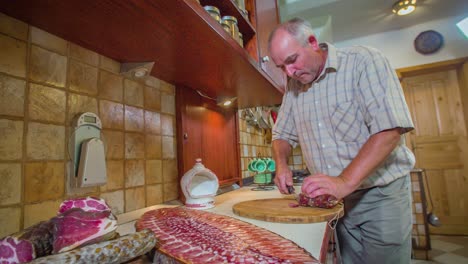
[194, 236]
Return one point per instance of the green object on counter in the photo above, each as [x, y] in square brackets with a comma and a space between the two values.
[262, 178]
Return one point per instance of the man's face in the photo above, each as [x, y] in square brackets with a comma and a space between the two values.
[298, 61]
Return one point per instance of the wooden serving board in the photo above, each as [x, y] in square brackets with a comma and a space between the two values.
[278, 210]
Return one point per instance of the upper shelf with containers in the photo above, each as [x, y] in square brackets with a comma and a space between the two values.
[188, 47]
[233, 16]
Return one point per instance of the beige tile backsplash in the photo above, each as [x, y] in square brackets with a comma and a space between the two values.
[44, 82]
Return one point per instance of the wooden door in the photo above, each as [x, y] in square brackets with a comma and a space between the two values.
[439, 142]
[209, 132]
[267, 19]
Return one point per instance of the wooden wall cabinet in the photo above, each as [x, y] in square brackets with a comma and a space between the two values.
[188, 46]
[209, 132]
[267, 19]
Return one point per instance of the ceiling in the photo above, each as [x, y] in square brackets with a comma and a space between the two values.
[348, 19]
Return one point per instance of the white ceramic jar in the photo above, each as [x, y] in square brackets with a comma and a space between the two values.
[199, 186]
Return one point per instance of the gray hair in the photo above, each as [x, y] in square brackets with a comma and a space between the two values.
[300, 29]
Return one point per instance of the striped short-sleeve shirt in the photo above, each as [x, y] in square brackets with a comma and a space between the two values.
[357, 95]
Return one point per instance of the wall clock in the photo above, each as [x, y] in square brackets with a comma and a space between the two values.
[428, 42]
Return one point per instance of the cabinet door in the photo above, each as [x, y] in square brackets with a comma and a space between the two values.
[206, 131]
[267, 19]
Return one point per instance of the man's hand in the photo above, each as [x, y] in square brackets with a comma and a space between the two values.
[283, 178]
[319, 184]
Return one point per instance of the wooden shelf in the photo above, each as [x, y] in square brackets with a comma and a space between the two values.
[228, 8]
[188, 47]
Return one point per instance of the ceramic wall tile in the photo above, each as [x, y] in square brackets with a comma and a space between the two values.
[168, 147]
[152, 81]
[133, 93]
[134, 173]
[46, 103]
[134, 119]
[170, 170]
[78, 104]
[48, 41]
[171, 191]
[152, 122]
[168, 103]
[45, 141]
[13, 27]
[34, 213]
[83, 78]
[134, 146]
[10, 187]
[110, 86]
[167, 87]
[153, 147]
[11, 141]
[115, 175]
[115, 200]
[12, 92]
[47, 67]
[111, 114]
[154, 194]
[152, 98]
[109, 64]
[43, 181]
[134, 199]
[13, 56]
[153, 172]
[168, 125]
[84, 55]
[10, 220]
[114, 144]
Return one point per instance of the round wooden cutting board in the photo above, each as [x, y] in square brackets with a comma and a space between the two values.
[278, 210]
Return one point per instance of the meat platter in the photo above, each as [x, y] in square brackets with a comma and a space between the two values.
[193, 236]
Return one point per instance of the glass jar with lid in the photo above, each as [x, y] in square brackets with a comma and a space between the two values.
[214, 12]
[232, 22]
[226, 26]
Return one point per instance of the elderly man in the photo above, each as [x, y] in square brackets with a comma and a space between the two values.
[346, 109]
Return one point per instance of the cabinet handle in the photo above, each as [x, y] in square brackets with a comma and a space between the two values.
[185, 136]
[265, 59]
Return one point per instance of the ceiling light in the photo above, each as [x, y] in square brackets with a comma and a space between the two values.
[404, 7]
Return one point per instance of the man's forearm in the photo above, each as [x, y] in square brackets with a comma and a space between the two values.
[281, 152]
[370, 157]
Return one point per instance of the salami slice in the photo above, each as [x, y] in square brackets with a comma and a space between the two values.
[194, 236]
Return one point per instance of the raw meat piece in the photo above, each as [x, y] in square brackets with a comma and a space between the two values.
[87, 204]
[24, 246]
[322, 201]
[113, 251]
[72, 228]
[77, 227]
[194, 236]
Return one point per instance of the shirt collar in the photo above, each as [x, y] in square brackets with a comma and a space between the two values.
[331, 63]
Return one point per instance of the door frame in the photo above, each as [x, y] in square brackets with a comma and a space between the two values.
[460, 65]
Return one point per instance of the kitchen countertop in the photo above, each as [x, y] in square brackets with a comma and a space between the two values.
[308, 236]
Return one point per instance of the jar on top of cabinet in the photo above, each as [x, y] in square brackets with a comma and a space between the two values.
[214, 12]
[232, 22]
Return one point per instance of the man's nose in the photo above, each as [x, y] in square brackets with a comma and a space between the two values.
[289, 70]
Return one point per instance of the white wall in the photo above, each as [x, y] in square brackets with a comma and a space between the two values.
[398, 45]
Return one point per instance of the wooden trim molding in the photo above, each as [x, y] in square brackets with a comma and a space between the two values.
[430, 67]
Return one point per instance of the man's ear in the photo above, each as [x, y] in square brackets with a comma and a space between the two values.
[313, 42]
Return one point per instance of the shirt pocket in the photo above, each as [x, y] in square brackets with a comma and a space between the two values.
[348, 123]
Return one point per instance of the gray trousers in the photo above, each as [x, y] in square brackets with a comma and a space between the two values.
[377, 224]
